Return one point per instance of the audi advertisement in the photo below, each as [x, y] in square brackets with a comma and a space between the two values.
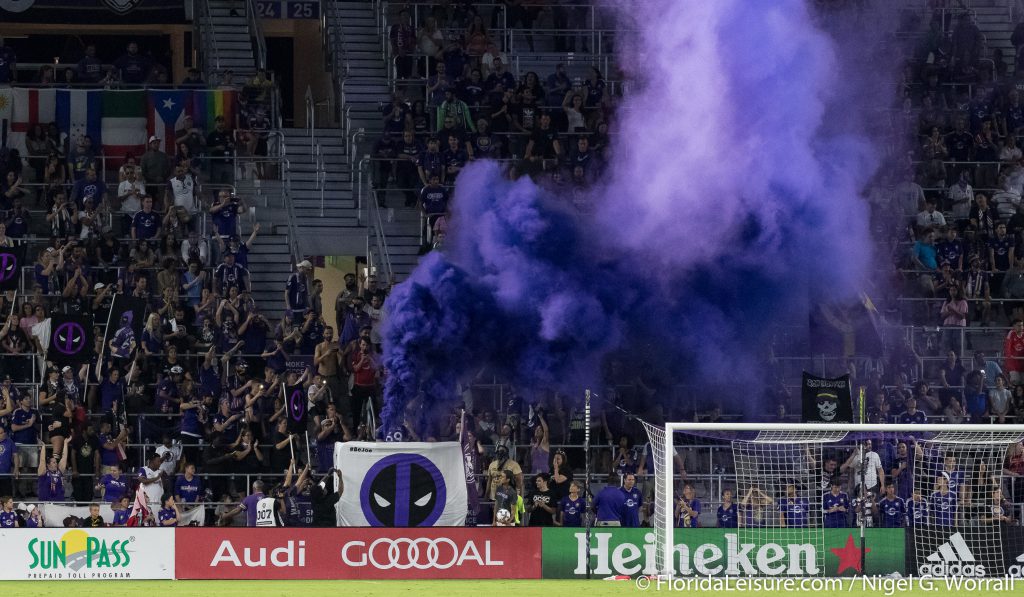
[359, 553]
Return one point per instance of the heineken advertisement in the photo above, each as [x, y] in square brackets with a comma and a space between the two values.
[725, 552]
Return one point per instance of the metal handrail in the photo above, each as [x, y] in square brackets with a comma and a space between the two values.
[208, 40]
[376, 226]
[286, 197]
[256, 34]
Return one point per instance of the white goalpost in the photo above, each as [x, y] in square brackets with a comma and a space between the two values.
[949, 489]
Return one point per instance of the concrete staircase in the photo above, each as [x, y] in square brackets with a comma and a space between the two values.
[356, 47]
[993, 18]
[228, 44]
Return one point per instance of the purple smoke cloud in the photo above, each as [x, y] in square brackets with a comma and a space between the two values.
[733, 196]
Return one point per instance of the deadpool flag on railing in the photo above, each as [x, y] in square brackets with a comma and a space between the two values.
[11, 261]
[295, 402]
[71, 340]
[826, 400]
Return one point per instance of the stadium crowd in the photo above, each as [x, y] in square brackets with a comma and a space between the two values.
[201, 391]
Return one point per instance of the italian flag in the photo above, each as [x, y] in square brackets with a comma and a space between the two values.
[123, 125]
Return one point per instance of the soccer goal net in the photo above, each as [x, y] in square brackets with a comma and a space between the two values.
[789, 495]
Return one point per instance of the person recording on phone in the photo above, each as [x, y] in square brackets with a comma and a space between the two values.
[325, 497]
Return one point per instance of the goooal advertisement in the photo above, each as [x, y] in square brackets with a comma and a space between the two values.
[86, 554]
[358, 553]
[720, 552]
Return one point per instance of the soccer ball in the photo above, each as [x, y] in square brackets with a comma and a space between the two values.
[504, 517]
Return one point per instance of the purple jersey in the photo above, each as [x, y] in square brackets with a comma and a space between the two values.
[51, 486]
[114, 489]
[894, 512]
[610, 504]
[943, 508]
[917, 512]
[249, 505]
[691, 522]
[166, 514]
[631, 511]
[572, 511]
[122, 341]
[727, 517]
[795, 512]
[8, 520]
[835, 519]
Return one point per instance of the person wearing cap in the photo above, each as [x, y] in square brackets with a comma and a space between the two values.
[156, 167]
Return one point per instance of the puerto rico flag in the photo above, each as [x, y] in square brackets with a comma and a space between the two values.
[167, 109]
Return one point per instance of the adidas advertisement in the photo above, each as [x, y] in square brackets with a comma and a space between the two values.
[951, 558]
[1013, 551]
[723, 552]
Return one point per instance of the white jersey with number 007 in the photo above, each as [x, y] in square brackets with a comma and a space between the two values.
[265, 512]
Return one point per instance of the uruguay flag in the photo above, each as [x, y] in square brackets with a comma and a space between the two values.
[166, 112]
[80, 112]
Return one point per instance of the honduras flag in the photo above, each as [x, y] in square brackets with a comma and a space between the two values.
[80, 112]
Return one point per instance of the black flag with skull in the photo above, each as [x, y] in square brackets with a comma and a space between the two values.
[826, 400]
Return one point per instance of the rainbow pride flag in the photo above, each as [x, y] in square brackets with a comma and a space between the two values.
[209, 104]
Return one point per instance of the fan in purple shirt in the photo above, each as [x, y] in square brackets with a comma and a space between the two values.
[836, 504]
[8, 517]
[50, 486]
[168, 515]
[114, 485]
[687, 509]
[611, 502]
[634, 501]
[248, 506]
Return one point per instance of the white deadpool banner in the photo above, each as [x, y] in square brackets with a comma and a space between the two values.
[393, 484]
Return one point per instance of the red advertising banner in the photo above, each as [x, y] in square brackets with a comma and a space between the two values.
[357, 553]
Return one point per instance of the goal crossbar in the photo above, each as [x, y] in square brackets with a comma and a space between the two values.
[836, 431]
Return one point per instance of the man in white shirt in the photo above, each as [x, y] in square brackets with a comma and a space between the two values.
[130, 193]
[961, 195]
[909, 197]
[931, 216]
[874, 475]
[152, 482]
[194, 246]
[170, 454]
[181, 190]
[487, 60]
